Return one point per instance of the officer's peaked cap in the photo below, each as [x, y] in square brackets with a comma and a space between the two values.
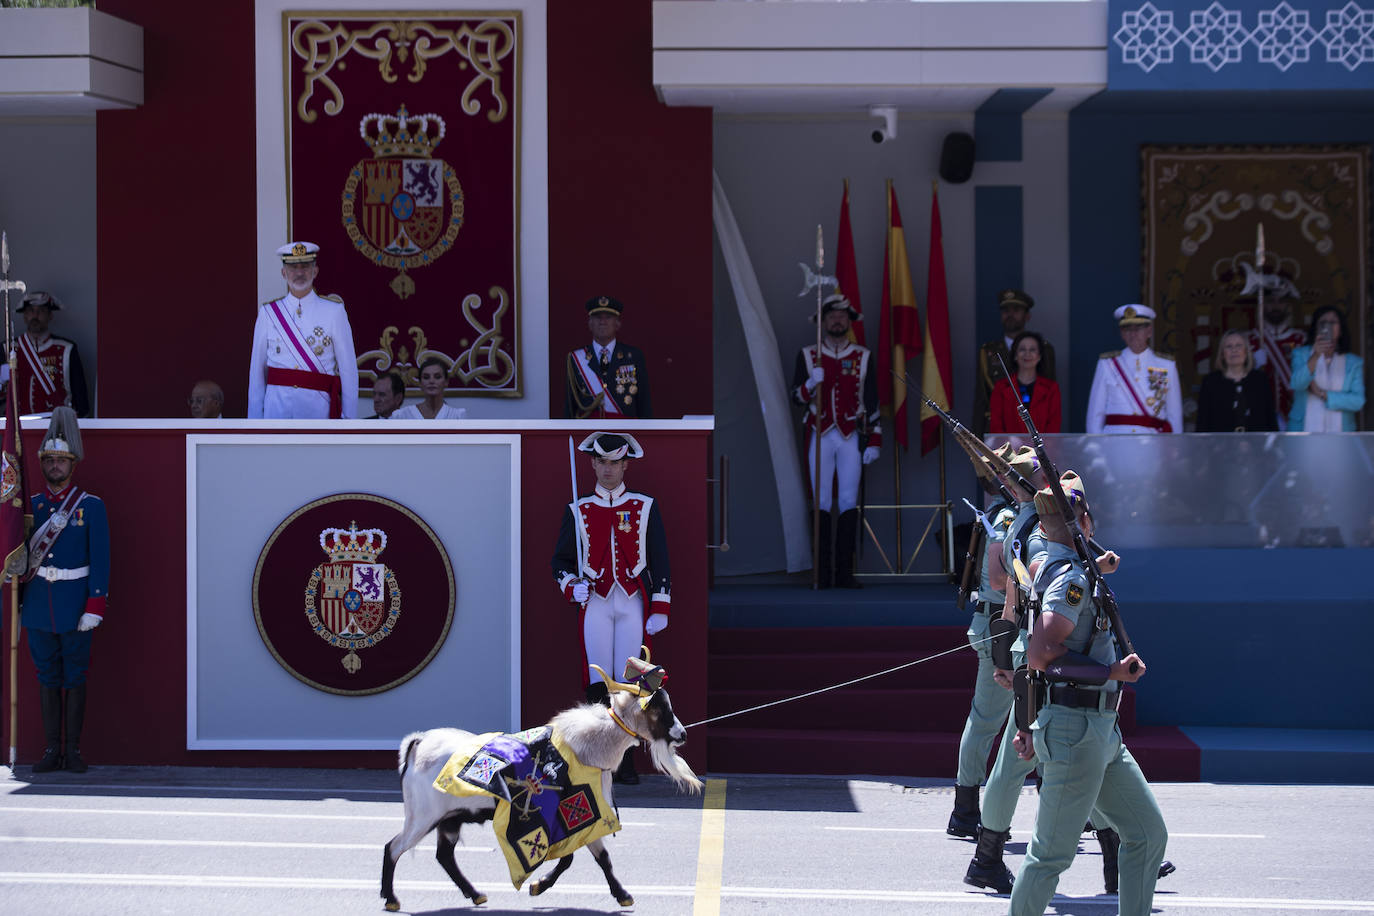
[298, 252]
[612, 446]
[604, 304]
[1015, 297]
[1134, 314]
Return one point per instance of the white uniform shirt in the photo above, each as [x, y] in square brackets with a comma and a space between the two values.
[412, 412]
[1155, 381]
[322, 326]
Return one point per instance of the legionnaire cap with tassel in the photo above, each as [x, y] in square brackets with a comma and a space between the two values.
[1024, 461]
[1045, 505]
[611, 446]
[63, 438]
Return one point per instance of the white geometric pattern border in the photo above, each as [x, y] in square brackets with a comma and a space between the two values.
[1217, 36]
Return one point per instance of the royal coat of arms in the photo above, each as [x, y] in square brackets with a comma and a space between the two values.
[404, 206]
[352, 602]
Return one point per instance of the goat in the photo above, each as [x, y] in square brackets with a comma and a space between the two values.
[598, 735]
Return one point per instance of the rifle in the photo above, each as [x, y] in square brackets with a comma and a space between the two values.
[1101, 591]
[973, 558]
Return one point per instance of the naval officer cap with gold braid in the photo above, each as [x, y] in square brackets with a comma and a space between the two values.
[1134, 314]
[611, 446]
[298, 252]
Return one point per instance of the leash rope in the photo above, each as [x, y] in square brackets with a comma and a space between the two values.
[866, 677]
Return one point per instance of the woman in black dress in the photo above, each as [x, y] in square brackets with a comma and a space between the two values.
[1236, 397]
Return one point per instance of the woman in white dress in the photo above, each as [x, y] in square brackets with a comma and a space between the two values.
[433, 380]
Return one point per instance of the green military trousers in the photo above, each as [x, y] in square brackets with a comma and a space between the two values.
[1084, 764]
[991, 703]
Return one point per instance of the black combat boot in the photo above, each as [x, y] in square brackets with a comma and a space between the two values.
[1111, 844]
[963, 821]
[50, 704]
[845, 530]
[625, 774]
[823, 577]
[987, 868]
[76, 715]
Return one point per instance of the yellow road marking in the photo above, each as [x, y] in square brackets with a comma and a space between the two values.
[711, 852]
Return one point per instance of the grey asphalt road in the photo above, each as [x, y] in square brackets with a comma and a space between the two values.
[265, 841]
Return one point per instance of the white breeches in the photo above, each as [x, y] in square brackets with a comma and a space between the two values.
[612, 631]
[839, 456]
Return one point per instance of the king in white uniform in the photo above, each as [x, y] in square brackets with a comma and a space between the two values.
[1135, 390]
[304, 365]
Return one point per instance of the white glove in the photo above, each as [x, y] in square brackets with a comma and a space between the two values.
[88, 622]
[817, 376]
[656, 623]
[581, 591]
[870, 454]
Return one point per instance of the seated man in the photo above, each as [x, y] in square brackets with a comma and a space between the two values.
[206, 400]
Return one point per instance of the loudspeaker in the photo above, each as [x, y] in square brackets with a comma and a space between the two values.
[956, 158]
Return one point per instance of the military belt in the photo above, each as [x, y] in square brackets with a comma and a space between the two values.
[56, 574]
[1078, 698]
[987, 608]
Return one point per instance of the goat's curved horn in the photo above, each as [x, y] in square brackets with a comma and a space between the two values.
[644, 654]
[613, 686]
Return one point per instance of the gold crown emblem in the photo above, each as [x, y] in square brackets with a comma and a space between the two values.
[401, 134]
[298, 249]
[359, 546]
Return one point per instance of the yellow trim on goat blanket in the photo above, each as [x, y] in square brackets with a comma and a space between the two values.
[548, 803]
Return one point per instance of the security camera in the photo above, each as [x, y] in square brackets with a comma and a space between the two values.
[889, 129]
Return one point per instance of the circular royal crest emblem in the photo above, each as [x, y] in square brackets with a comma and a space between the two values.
[347, 633]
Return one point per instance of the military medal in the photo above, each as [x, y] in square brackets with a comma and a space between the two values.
[624, 516]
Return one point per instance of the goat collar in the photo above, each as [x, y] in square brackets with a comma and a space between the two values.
[621, 722]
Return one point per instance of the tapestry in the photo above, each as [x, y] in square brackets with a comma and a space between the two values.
[353, 594]
[402, 154]
[1229, 231]
[548, 803]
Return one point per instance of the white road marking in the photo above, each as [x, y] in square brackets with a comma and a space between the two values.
[162, 812]
[144, 788]
[1172, 835]
[250, 844]
[1229, 904]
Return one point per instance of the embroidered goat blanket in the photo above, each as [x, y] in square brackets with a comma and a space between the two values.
[548, 803]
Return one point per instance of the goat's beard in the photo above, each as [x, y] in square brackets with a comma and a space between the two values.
[667, 762]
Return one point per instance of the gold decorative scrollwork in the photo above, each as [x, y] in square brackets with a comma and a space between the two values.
[482, 362]
[323, 46]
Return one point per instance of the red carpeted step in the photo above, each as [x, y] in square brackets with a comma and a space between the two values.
[780, 641]
[934, 710]
[803, 671]
[1165, 753]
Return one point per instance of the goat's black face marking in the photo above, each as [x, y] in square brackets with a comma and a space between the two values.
[661, 719]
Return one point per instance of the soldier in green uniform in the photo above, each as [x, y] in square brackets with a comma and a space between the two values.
[1015, 308]
[1076, 736]
[991, 701]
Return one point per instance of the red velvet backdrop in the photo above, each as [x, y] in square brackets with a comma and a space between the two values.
[137, 702]
[629, 208]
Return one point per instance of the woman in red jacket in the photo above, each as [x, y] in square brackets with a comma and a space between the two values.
[1038, 393]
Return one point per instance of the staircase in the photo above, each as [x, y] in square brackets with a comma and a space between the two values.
[906, 723]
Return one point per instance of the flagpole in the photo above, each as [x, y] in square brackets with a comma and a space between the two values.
[944, 503]
[14, 670]
[12, 416]
[816, 427]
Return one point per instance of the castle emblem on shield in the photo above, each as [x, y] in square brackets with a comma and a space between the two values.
[403, 207]
[353, 601]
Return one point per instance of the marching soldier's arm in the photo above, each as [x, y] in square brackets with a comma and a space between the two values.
[564, 563]
[98, 544]
[347, 358]
[657, 562]
[257, 367]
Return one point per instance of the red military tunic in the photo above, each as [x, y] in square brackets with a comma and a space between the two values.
[59, 361]
[848, 392]
[622, 542]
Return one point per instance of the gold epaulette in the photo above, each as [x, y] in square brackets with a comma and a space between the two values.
[1110, 354]
[333, 297]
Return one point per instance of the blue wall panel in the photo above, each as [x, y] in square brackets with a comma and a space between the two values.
[997, 213]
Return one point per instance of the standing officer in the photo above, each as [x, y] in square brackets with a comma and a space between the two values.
[622, 582]
[303, 364]
[607, 379]
[1076, 736]
[64, 601]
[848, 424]
[1136, 391]
[1015, 307]
[48, 370]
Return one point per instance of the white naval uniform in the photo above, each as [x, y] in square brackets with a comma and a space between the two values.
[319, 319]
[1155, 380]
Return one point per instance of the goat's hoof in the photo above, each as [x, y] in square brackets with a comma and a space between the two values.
[393, 906]
[627, 900]
[479, 900]
[536, 889]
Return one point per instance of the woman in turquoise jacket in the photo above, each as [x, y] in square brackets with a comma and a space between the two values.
[1328, 380]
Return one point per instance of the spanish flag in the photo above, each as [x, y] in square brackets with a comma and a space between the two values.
[936, 377]
[899, 333]
[846, 271]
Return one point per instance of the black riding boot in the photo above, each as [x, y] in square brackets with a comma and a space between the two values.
[76, 715]
[987, 868]
[845, 542]
[823, 576]
[963, 821]
[50, 704]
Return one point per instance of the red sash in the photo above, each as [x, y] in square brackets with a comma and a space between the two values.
[1144, 418]
[49, 396]
[331, 385]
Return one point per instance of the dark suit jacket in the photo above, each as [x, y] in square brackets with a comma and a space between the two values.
[989, 371]
[626, 380]
[1045, 408]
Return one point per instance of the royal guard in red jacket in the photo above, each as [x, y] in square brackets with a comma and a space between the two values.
[850, 433]
[612, 559]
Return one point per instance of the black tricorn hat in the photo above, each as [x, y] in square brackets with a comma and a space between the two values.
[604, 304]
[39, 297]
[838, 302]
[611, 445]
